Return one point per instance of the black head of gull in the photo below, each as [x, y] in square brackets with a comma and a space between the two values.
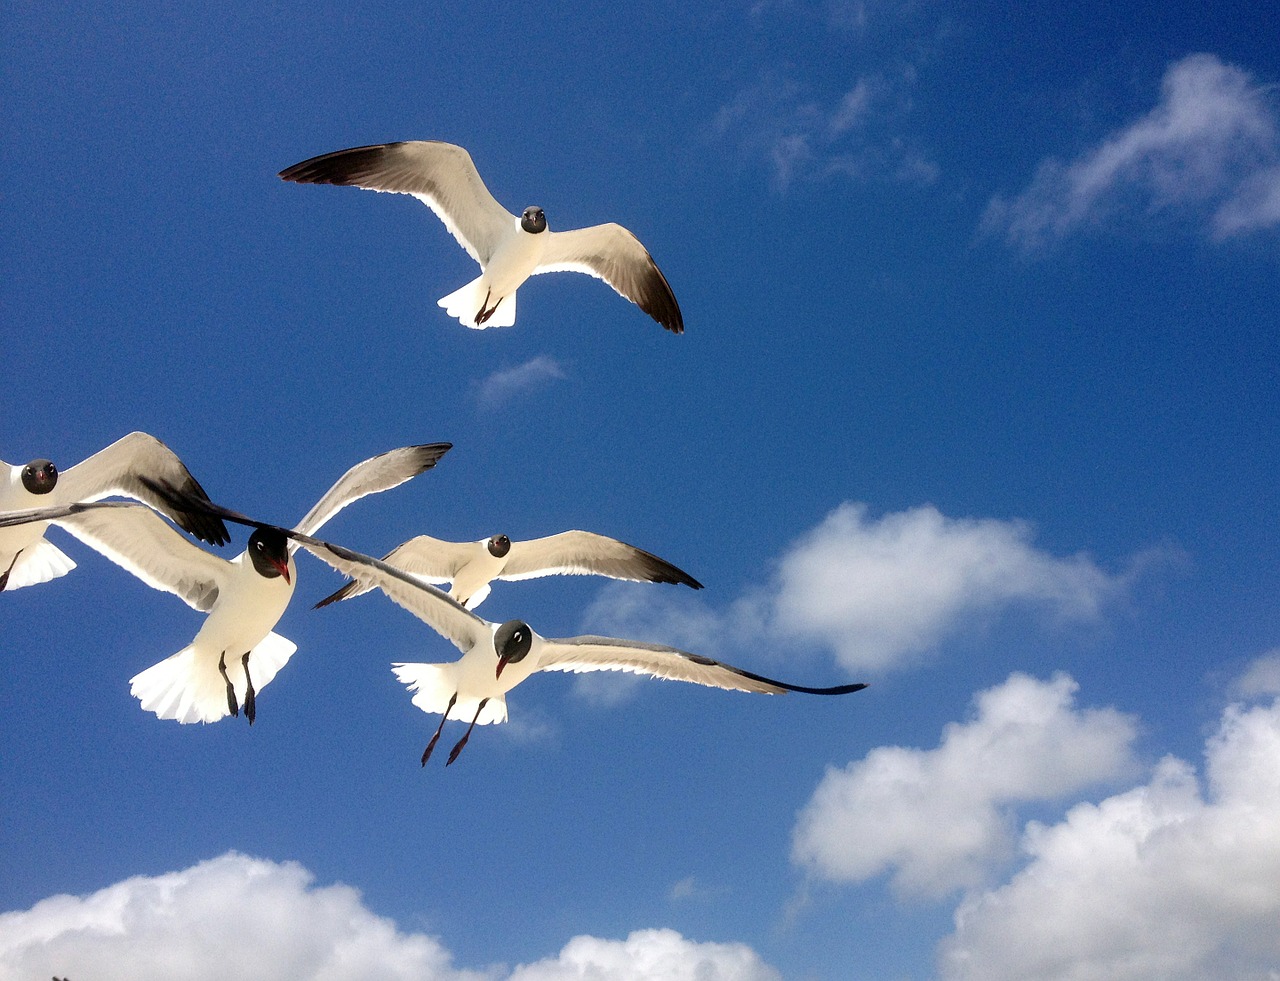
[512, 641]
[269, 551]
[533, 220]
[499, 546]
[39, 476]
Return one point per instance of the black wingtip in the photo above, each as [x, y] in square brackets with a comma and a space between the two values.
[339, 594]
[341, 167]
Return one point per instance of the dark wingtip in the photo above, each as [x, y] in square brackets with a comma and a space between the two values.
[341, 167]
[339, 594]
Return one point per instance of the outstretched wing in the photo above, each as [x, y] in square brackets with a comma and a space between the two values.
[379, 473]
[440, 175]
[612, 253]
[141, 542]
[429, 559]
[118, 469]
[586, 553]
[611, 654]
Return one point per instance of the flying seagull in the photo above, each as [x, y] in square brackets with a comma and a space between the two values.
[509, 249]
[235, 654]
[471, 566]
[27, 558]
[497, 657]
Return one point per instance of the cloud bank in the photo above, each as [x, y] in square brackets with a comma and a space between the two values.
[942, 819]
[877, 592]
[241, 917]
[1210, 145]
[1162, 881]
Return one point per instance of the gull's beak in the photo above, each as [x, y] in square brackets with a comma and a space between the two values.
[283, 566]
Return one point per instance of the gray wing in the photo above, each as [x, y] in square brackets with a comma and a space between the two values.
[459, 626]
[379, 473]
[612, 253]
[118, 469]
[424, 557]
[440, 175]
[586, 553]
[610, 654]
[141, 542]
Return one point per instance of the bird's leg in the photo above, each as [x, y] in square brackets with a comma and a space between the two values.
[231, 691]
[453, 755]
[486, 311]
[250, 709]
[426, 753]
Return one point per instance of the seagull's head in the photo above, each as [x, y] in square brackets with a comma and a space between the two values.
[39, 476]
[533, 220]
[269, 552]
[512, 641]
[498, 546]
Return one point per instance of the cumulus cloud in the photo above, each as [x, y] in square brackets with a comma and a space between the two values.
[942, 819]
[1211, 145]
[877, 592]
[509, 384]
[1162, 881]
[230, 917]
[649, 955]
[240, 917]
[1262, 677]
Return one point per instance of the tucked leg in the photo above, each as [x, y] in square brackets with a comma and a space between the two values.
[250, 696]
[232, 707]
[463, 741]
[426, 753]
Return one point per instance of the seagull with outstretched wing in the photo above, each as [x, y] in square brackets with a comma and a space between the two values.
[236, 652]
[469, 567]
[27, 557]
[509, 249]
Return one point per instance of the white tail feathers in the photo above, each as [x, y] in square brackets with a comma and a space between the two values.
[188, 685]
[38, 563]
[466, 302]
[435, 684]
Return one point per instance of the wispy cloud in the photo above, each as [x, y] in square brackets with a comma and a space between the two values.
[240, 917]
[940, 819]
[1162, 881]
[1210, 147]
[510, 384]
[878, 592]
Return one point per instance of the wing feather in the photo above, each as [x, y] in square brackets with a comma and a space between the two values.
[429, 559]
[610, 654]
[586, 553]
[612, 253]
[440, 175]
[379, 473]
[118, 469]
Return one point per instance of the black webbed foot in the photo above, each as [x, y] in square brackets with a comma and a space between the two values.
[232, 707]
[250, 696]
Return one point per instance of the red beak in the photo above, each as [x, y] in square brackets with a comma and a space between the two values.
[284, 569]
[502, 663]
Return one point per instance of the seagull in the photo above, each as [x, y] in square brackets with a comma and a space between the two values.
[496, 657]
[470, 566]
[211, 677]
[27, 558]
[509, 249]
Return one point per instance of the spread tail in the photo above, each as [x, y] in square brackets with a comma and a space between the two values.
[466, 303]
[435, 684]
[36, 564]
[188, 686]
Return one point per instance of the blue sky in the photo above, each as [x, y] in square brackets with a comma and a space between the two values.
[977, 403]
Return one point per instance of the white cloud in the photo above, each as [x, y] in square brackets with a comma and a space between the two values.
[1262, 677]
[876, 592]
[942, 819]
[230, 917]
[1157, 882]
[510, 384]
[879, 591]
[1212, 142]
[649, 955]
[240, 917]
